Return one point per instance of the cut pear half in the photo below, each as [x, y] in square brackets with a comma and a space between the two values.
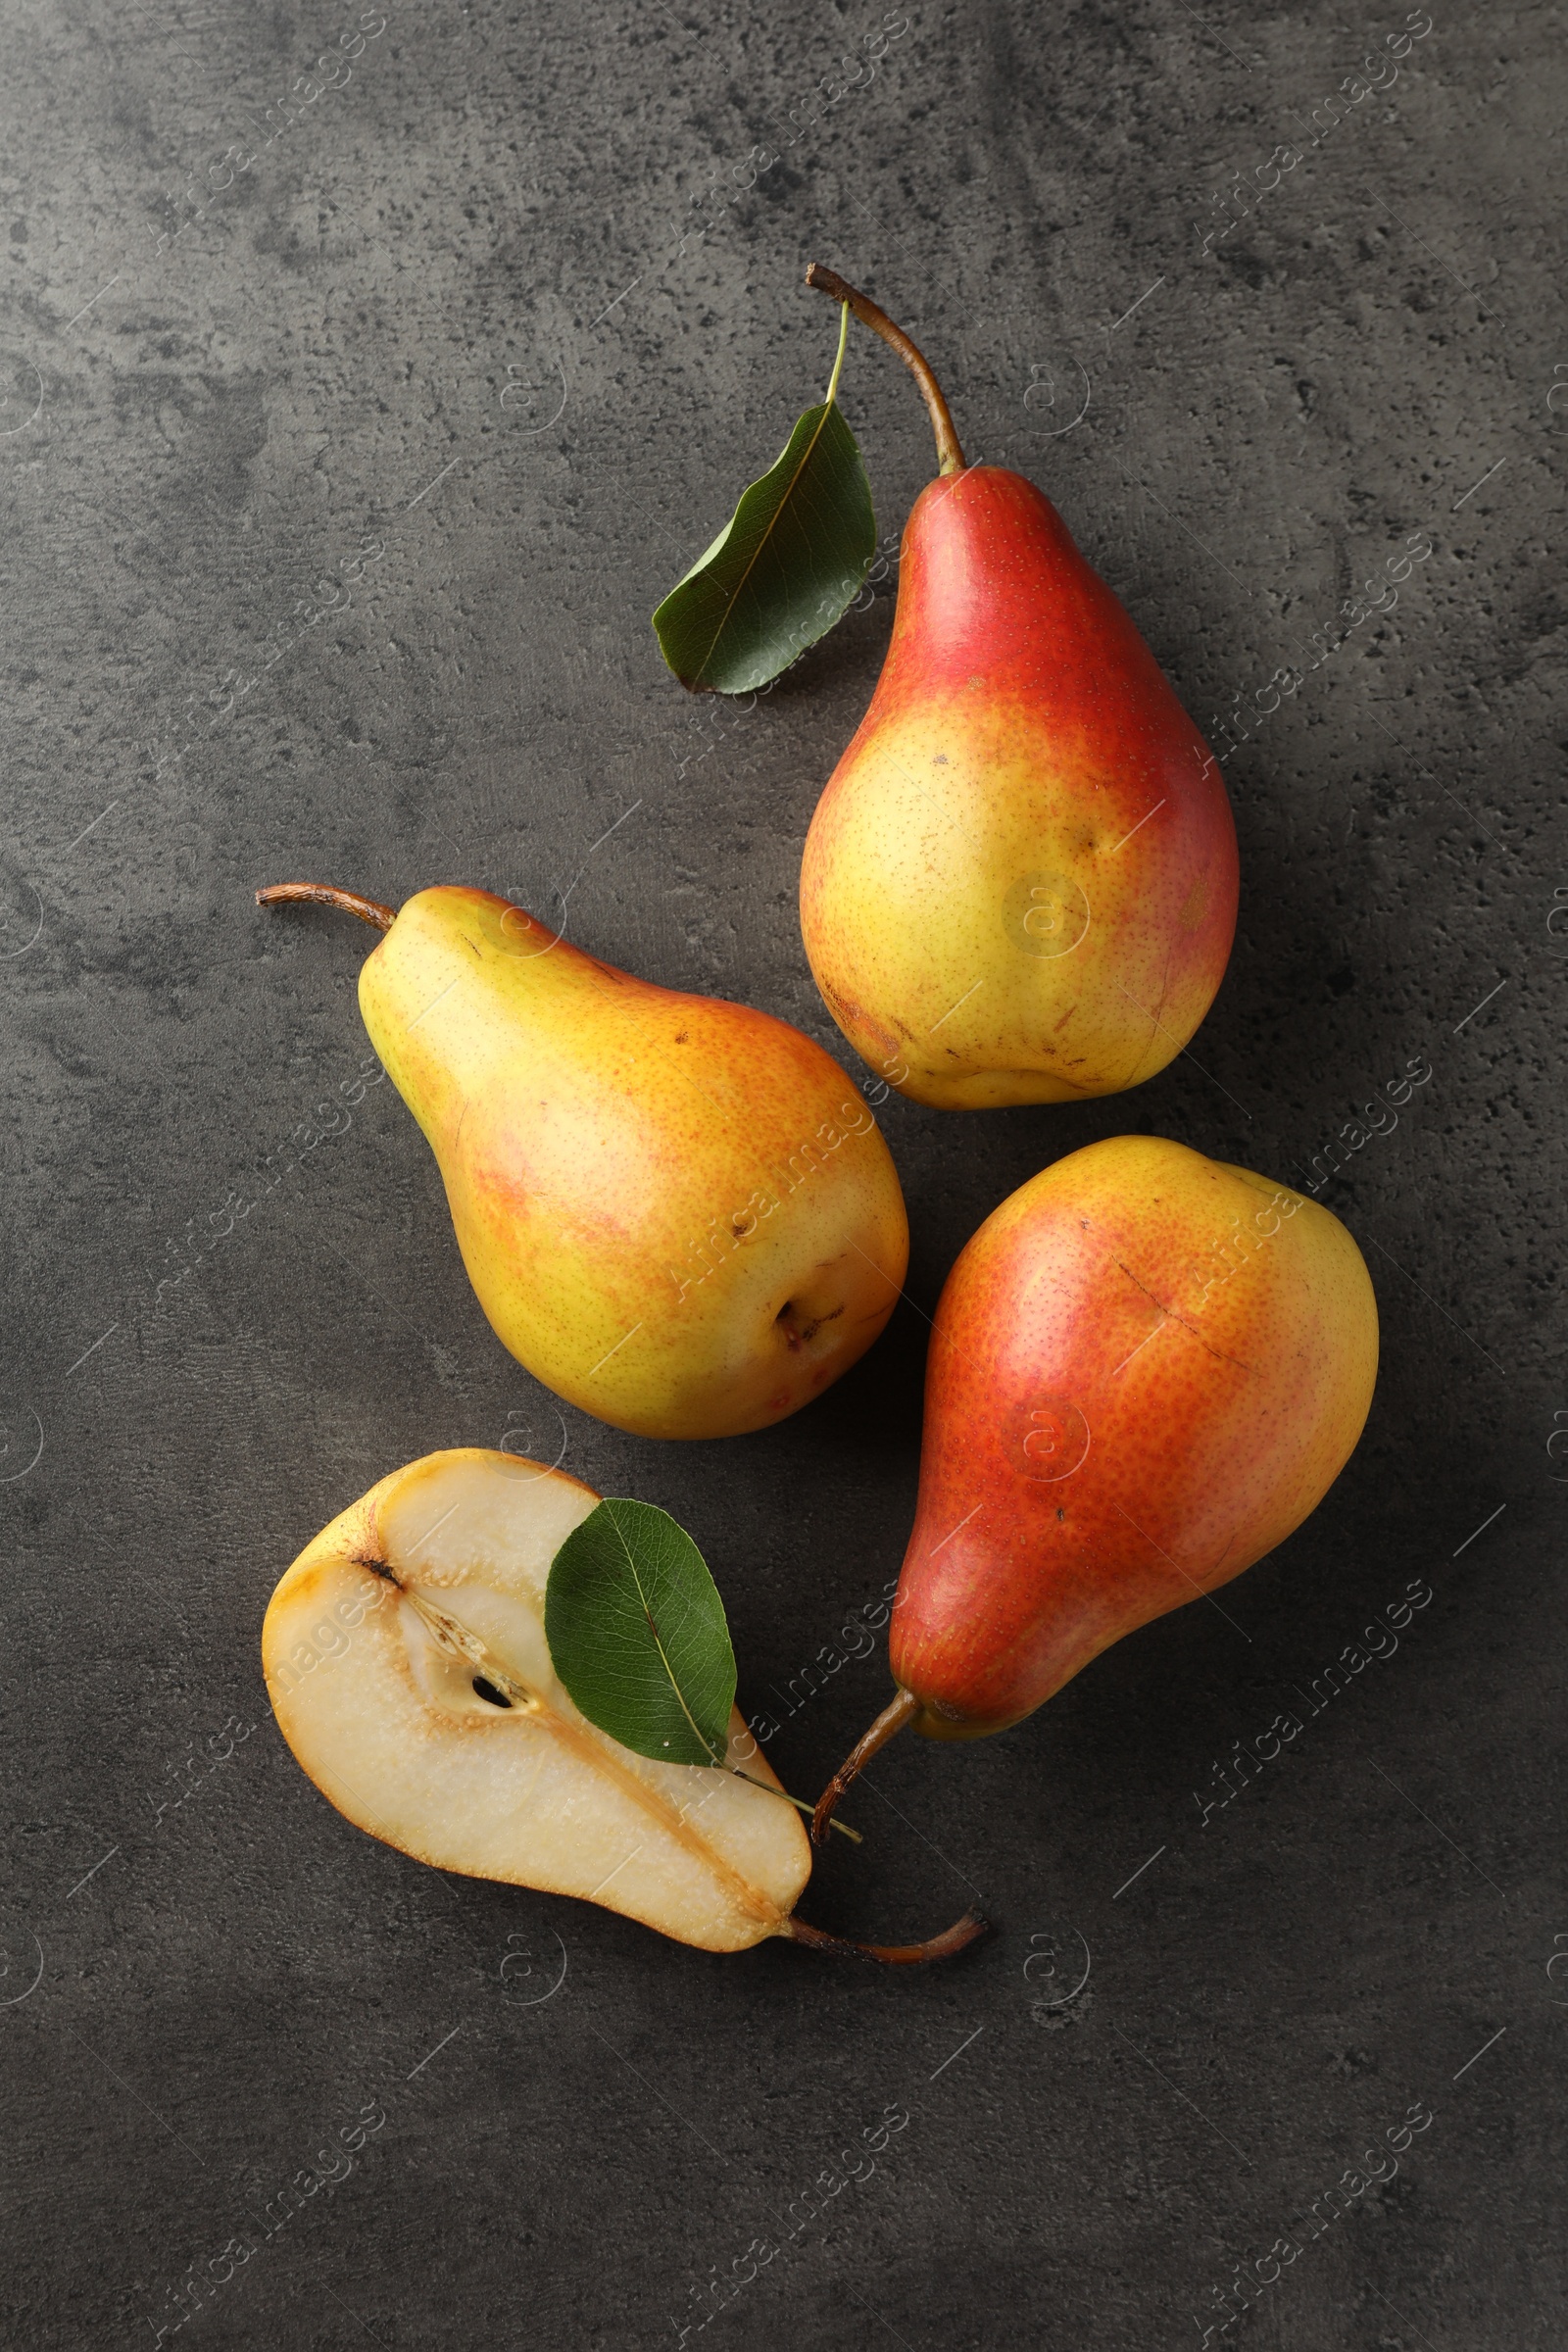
[406, 1664]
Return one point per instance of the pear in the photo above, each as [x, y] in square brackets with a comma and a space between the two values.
[407, 1667]
[677, 1212]
[1148, 1367]
[1021, 883]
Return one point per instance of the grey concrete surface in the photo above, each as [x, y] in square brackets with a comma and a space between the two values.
[488, 336]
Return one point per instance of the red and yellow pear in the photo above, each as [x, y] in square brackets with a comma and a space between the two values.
[1147, 1368]
[1021, 883]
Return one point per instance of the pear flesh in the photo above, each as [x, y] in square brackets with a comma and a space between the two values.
[406, 1664]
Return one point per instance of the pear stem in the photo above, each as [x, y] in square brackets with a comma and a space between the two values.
[956, 1938]
[950, 457]
[892, 1720]
[322, 893]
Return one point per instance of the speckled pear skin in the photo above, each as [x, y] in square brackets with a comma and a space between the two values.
[1147, 1368]
[677, 1211]
[1020, 884]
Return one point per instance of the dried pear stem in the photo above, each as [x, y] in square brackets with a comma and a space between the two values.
[324, 893]
[892, 1720]
[956, 1938]
[950, 457]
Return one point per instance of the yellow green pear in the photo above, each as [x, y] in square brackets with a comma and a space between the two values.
[677, 1211]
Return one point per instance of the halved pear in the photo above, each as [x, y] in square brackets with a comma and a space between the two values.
[406, 1664]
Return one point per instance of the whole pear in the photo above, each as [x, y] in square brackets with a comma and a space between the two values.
[1021, 883]
[677, 1211]
[1148, 1367]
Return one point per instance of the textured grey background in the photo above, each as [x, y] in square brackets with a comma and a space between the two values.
[503, 305]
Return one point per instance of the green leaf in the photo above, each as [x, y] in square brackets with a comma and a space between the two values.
[637, 1635]
[786, 566]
